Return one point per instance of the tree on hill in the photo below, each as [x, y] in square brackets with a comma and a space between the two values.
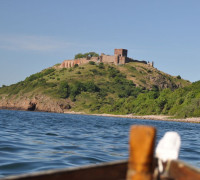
[63, 89]
[89, 54]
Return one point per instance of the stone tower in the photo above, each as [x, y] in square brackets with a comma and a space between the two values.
[121, 52]
[120, 56]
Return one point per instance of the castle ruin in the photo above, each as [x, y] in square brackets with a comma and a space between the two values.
[120, 57]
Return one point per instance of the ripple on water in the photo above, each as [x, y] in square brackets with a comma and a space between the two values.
[17, 167]
[81, 160]
[51, 134]
[35, 141]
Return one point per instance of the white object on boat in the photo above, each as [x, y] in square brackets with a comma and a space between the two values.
[168, 148]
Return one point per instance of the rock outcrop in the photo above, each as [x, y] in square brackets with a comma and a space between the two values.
[36, 103]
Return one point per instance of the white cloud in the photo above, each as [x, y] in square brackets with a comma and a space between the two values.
[33, 43]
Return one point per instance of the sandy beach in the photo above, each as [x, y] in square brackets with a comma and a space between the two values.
[151, 117]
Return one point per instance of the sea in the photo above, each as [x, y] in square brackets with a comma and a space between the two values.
[38, 141]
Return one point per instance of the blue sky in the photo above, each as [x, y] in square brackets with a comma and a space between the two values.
[36, 34]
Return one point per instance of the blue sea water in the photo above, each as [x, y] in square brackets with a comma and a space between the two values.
[36, 141]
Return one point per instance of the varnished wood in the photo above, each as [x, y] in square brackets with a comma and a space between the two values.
[180, 171]
[109, 171]
[142, 140]
[105, 171]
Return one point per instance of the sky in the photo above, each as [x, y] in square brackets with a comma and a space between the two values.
[37, 34]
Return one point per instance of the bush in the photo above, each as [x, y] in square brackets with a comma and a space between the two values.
[94, 71]
[39, 75]
[63, 69]
[91, 87]
[113, 72]
[89, 54]
[155, 88]
[79, 55]
[76, 89]
[34, 77]
[51, 84]
[101, 66]
[132, 68]
[178, 77]
[63, 90]
[91, 62]
[48, 71]
[102, 93]
[143, 81]
[76, 65]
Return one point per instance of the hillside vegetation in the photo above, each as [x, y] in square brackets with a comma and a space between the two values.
[101, 88]
[86, 55]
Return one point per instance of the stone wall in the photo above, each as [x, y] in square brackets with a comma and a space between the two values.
[71, 63]
[134, 60]
[107, 58]
[95, 59]
[120, 57]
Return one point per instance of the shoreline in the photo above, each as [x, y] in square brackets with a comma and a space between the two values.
[131, 116]
[147, 117]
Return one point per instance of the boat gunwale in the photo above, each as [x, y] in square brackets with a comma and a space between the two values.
[64, 170]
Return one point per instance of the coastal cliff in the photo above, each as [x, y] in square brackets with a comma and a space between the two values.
[36, 103]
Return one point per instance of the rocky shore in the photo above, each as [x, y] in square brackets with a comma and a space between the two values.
[35, 103]
[148, 117]
[47, 104]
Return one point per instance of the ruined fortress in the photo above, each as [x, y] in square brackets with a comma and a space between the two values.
[120, 57]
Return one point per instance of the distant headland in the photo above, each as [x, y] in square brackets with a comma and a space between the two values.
[104, 84]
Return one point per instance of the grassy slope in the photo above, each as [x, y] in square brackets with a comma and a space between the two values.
[131, 88]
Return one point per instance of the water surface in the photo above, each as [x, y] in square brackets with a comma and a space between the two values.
[36, 141]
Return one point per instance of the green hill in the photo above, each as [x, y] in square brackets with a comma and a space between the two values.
[103, 88]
